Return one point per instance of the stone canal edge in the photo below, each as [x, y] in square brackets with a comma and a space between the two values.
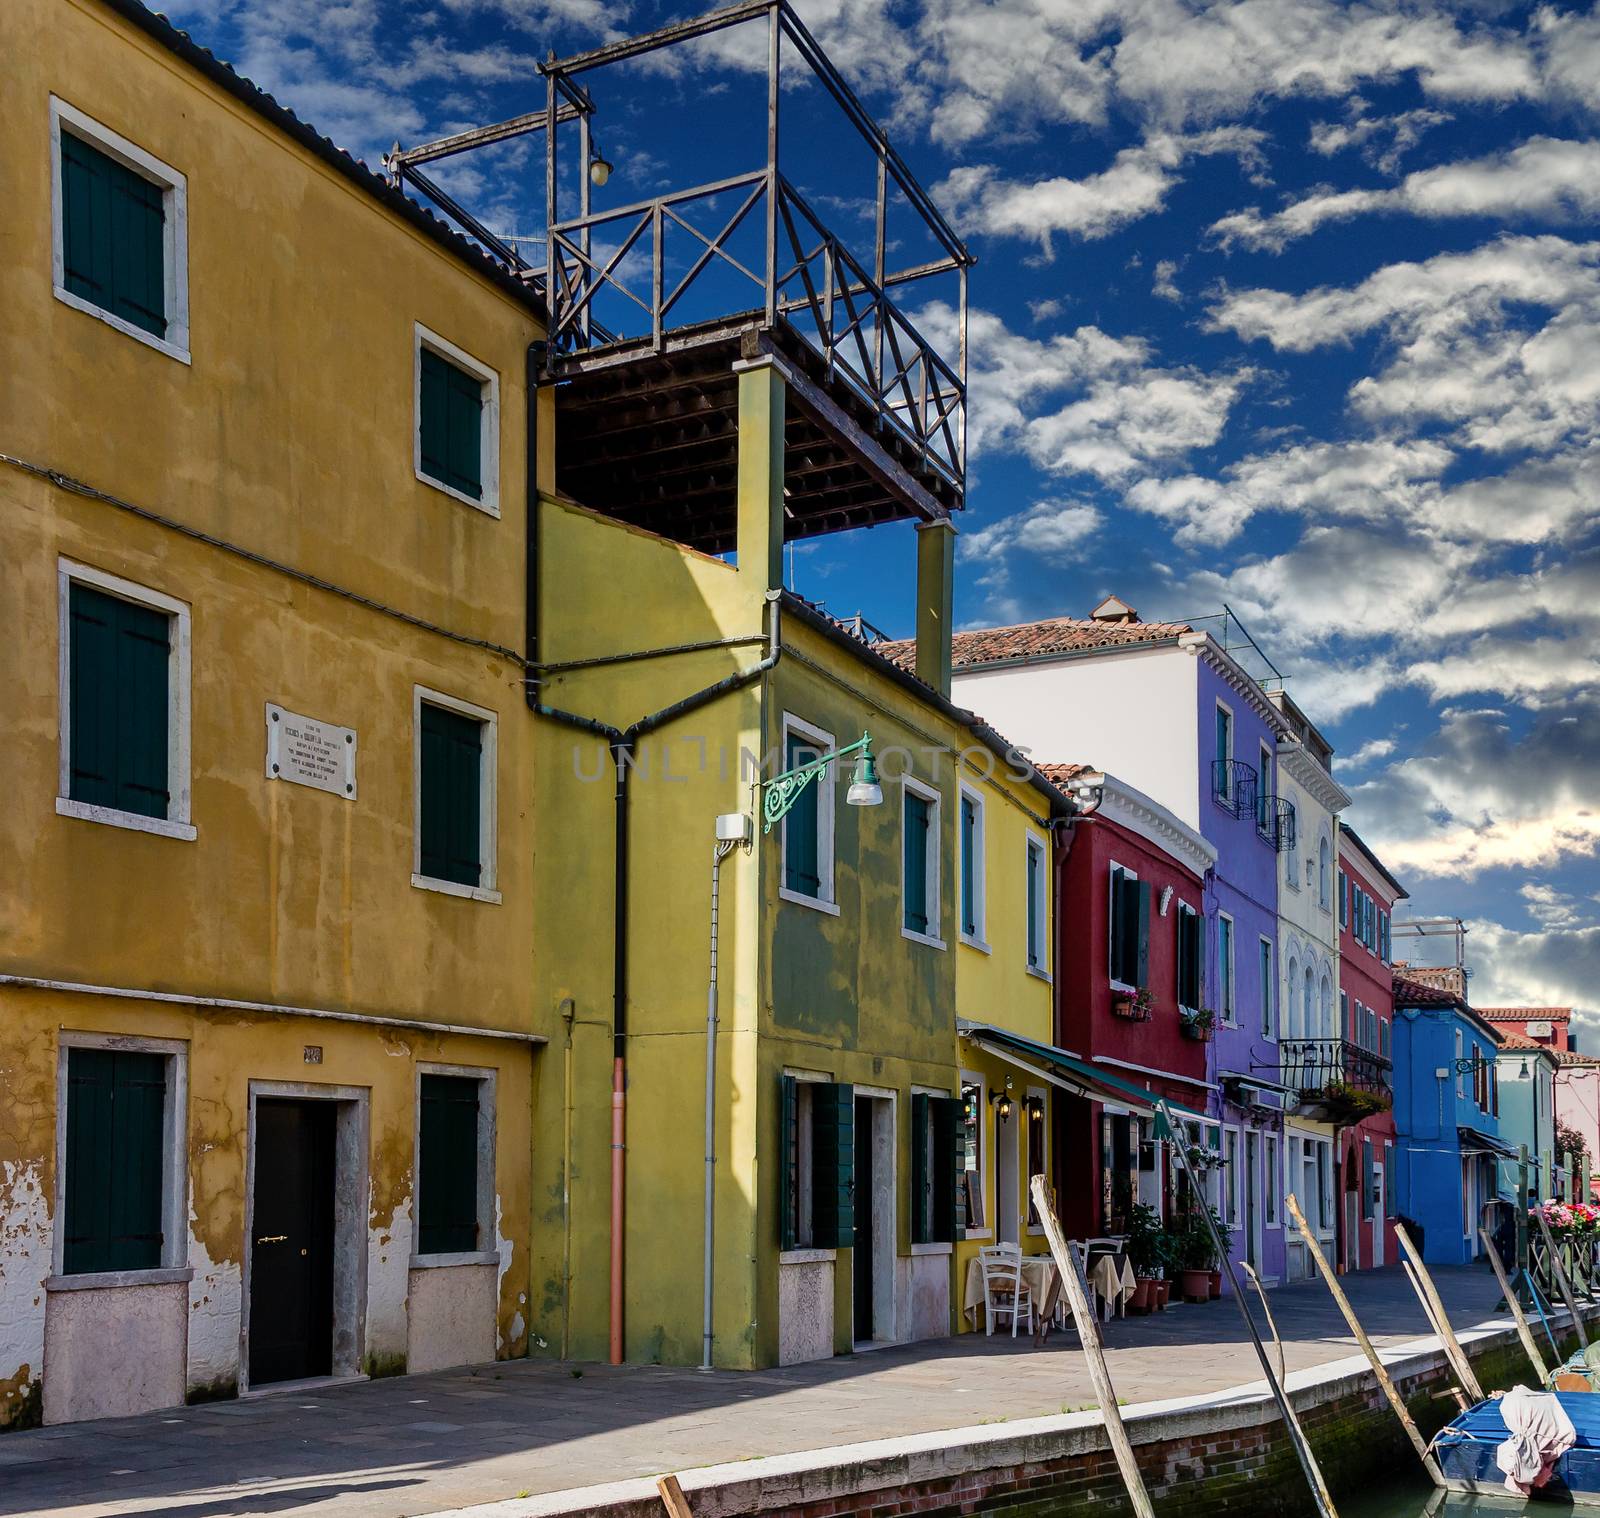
[1223, 1452]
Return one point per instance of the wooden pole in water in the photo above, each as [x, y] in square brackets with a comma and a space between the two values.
[1523, 1331]
[1561, 1278]
[1076, 1286]
[1435, 1308]
[1396, 1401]
[672, 1498]
[1297, 1435]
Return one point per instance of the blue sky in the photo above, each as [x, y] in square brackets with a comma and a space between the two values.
[1289, 304]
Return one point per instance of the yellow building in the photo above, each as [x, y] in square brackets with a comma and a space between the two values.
[266, 935]
[358, 1011]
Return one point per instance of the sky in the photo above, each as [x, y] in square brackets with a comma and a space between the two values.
[1288, 305]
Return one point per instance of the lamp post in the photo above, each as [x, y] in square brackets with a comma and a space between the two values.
[733, 830]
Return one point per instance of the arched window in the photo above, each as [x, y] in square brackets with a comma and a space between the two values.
[1291, 1003]
[1328, 1030]
[1323, 895]
[1309, 1009]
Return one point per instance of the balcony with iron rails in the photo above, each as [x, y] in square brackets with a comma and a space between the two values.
[1335, 1079]
[1233, 786]
[1275, 822]
[655, 304]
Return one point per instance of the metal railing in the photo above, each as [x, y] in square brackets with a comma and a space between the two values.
[1311, 1065]
[1233, 786]
[1275, 822]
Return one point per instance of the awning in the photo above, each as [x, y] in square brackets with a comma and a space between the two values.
[1076, 1075]
[1474, 1141]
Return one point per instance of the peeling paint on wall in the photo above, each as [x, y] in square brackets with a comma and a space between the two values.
[216, 1302]
[389, 1247]
[505, 1246]
[24, 1268]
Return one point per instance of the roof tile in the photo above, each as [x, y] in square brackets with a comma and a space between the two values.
[1032, 640]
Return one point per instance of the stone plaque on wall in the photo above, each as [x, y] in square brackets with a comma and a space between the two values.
[308, 752]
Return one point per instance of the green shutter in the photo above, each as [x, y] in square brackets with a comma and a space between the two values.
[914, 874]
[116, 1109]
[833, 1165]
[447, 1179]
[1142, 949]
[113, 236]
[451, 425]
[119, 655]
[921, 1212]
[452, 782]
[1366, 1178]
[969, 844]
[788, 1160]
[949, 1168]
[1188, 958]
[800, 825]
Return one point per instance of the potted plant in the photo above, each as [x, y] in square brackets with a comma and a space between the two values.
[1347, 1105]
[1133, 1005]
[1193, 1257]
[1198, 1023]
[1145, 1253]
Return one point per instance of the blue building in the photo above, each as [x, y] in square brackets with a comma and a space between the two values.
[1446, 1113]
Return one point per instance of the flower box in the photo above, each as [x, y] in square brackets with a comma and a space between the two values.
[1134, 1006]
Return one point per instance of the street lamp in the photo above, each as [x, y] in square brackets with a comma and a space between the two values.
[782, 791]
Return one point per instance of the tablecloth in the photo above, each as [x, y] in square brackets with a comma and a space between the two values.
[1038, 1274]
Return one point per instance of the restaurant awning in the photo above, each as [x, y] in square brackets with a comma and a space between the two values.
[1076, 1075]
[1475, 1141]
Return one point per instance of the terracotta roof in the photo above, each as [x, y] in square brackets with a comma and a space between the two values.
[1525, 1014]
[1421, 993]
[1064, 774]
[1511, 1039]
[1572, 1057]
[1035, 640]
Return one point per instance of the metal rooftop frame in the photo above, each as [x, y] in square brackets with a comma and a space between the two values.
[812, 301]
[1231, 634]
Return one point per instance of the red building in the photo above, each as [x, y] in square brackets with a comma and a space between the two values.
[1367, 896]
[1132, 915]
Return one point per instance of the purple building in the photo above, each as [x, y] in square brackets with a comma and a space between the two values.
[1178, 711]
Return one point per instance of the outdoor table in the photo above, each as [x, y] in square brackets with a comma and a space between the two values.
[1112, 1278]
[1038, 1275]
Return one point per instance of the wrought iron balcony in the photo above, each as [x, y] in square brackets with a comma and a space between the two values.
[1233, 786]
[1275, 822]
[1312, 1065]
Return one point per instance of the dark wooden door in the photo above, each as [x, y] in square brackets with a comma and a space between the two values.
[863, 1220]
[291, 1254]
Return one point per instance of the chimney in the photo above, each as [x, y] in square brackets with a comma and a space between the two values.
[1113, 610]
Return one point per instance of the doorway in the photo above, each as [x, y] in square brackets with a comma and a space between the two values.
[1380, 1210]
[1252, 1197]
[865, 1240]
[1007, 1192]
[291, 1249]
[873, 1210]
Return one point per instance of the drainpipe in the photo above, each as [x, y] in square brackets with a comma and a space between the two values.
[723, 847]
[621, 742]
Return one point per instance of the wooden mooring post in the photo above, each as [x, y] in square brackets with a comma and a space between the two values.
[1523, 1331]
[1434, 1308]
[1554, 1256]
[1379, 1369]
[1076, 1286]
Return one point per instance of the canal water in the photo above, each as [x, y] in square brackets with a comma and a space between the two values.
[1411, 1496]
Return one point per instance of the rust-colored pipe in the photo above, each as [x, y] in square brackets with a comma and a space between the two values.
[619, 1100]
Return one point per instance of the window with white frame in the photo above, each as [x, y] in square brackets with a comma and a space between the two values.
[974, 929]
[120, 246]
[974, 1104]
[1324, 883]
[1222, 770]
[121, 1160]
[454, 766]
[1190, 956]
[919, 862]
[1128, 916]
[124, 703]
[456, 432]
[454, 1166]
[806, 842]
[1268, 977]
[1227, 1009]
[1038, 905]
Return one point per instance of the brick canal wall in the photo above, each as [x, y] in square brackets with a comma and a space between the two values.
[1200, 1456]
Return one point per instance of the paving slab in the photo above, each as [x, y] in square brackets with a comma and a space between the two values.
[414, 1445]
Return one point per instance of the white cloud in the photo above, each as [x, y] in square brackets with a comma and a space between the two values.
[1134, 186]
[1552, 908]
[1545, 178]
[1373, 748]
[1163, 284]
[1550, 967]
[1382, 140]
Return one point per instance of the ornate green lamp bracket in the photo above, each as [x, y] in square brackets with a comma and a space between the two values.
[782, 791]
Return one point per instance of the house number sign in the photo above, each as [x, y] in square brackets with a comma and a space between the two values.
[308, 752]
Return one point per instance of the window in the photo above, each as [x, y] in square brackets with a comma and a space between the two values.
[1189, 957]
[1038, 909]
[1324, 1187]
[1222, 787]
[807, 842]
[1383, 937]
[1461, 1077]
[1130, 928]
[1272, 1182]
[1344, 898]
[816, 1179]
[1323, 898]
[919, 862]
[122, 1186]
[1268, 1022]
[973, 928]
[1230, 1176]
[124, 704]
[121, 240]
[1289, 837]
[454, 848]
[455, 1161]
[1347, 1029]
[1226, 1009]
[972, 1217]
[1383, 1037]
[1038, 1126]
[457, 443]
[1266, 793]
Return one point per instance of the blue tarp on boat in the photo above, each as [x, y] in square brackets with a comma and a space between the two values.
[1465, 1450]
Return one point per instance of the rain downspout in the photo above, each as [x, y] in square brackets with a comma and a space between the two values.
[721, 850]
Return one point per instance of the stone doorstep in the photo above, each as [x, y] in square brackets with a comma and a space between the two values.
[775, 1481]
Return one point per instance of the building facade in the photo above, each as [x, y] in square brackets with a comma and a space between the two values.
[1367, 894]
[1446, 1112]
[1569, 1096]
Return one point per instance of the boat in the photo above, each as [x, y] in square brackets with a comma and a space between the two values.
[1465, 1451]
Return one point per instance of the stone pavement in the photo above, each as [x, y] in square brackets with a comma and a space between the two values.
[419, 1444]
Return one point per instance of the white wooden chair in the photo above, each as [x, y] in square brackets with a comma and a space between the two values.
[1005, 1293]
